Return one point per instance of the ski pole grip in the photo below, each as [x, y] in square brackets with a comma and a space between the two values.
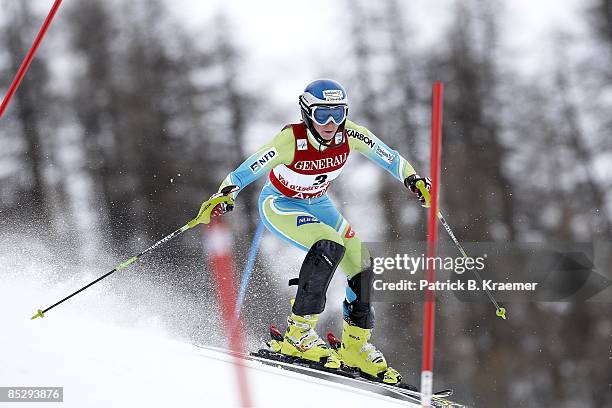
[205, 213]
[421, 186]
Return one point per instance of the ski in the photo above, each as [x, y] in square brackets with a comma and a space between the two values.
[352, 378]
[344, 375]
[311, 369]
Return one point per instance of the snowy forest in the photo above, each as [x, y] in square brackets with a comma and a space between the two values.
[126, 121]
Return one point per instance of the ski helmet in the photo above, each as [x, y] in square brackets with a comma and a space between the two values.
[323, 101]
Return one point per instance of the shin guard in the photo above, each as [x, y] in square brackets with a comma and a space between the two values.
[358, 310]
[317, 270]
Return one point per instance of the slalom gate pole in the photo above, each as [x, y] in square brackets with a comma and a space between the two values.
[218, 246]
[248, 268]
[29, 56]
[432, 237]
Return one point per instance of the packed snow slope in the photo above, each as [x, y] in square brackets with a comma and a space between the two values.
[103, 364]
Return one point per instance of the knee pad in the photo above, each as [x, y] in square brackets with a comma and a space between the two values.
[358, 309]
[317, 270]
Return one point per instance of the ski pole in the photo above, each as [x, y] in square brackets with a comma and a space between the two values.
[499, 311]
[203, 217]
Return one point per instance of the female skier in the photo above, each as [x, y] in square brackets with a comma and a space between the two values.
[301, 162]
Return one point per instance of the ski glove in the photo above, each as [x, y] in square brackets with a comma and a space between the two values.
[217, 204]
[411, 181]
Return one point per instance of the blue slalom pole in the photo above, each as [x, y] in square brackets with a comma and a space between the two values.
[248, 268]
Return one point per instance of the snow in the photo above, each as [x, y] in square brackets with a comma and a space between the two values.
[101, 364]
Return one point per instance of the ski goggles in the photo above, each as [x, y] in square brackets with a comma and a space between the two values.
[323, 114]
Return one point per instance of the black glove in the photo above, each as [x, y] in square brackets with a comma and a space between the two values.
[411, 181]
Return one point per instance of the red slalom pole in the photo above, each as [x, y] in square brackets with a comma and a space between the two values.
[218, 243]
[26, 62]
[432, 240]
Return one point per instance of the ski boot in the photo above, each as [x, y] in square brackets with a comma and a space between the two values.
[301, 340]
[355, 351]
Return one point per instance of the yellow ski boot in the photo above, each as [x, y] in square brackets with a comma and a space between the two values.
[301, 340]
[356, 352]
